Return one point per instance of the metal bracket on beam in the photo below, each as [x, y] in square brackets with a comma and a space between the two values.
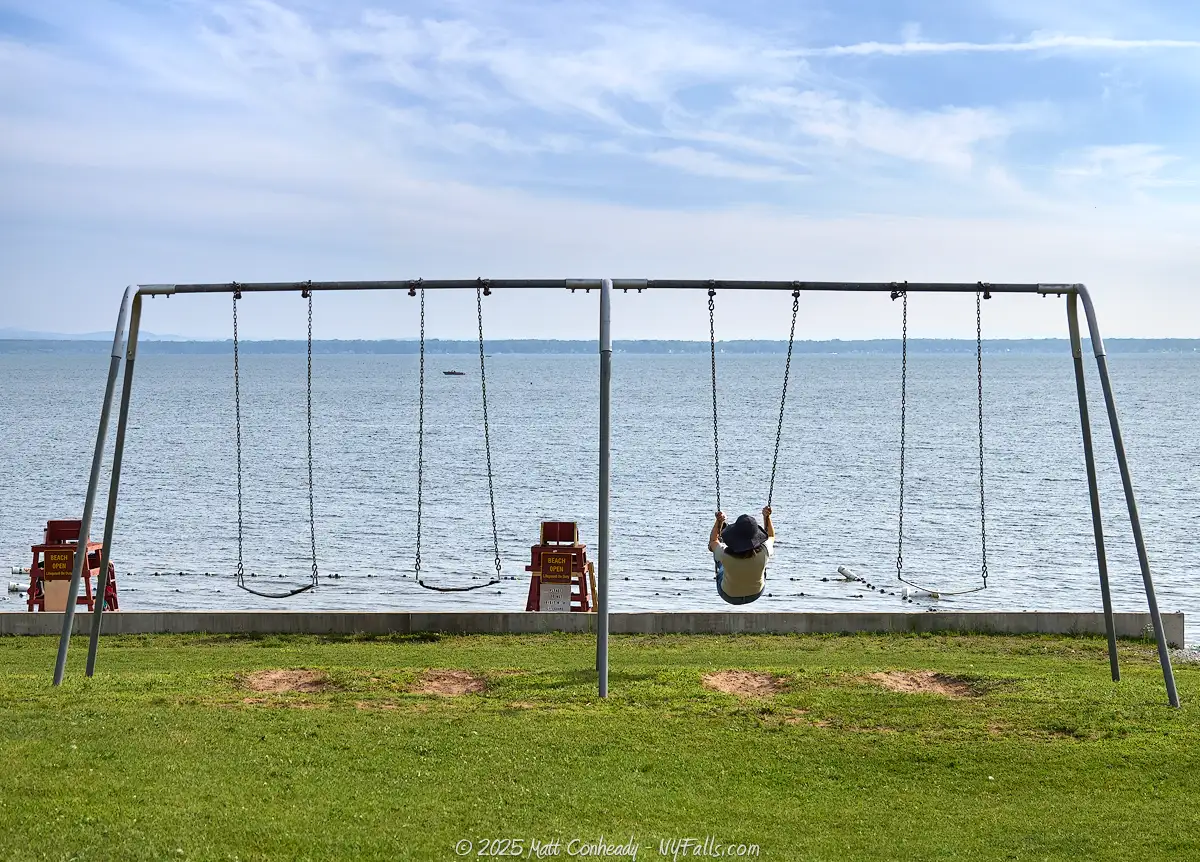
[585, 284]
[1057, 289]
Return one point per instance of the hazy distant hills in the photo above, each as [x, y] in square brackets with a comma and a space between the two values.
[98, 343]
[8, 333]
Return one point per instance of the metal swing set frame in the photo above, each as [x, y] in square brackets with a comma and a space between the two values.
[125, 349]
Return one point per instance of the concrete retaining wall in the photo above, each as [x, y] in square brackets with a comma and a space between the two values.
[1129, 625]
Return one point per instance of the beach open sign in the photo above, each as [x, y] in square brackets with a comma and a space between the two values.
[556, 568]
[59, 564]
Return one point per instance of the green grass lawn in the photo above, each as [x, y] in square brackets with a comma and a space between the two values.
[167, 755]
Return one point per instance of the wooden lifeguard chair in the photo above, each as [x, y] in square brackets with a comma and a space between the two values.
[561, 571]
[53, 564]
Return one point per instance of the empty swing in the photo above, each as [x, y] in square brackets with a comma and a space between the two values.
[237, 404]
[481, 291]
[720, 530]
[980, 295]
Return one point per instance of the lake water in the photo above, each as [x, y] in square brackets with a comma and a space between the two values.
[835, 498]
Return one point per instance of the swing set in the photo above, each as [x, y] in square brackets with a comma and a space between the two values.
[899, 293]
[125, 347]
[484, 289]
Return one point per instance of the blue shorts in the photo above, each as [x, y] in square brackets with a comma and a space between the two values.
[733, 600]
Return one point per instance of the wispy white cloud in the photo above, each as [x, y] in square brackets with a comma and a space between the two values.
[945, 138]
[1036, 43]
[581, 67]
[1140, 166]
[708, 164]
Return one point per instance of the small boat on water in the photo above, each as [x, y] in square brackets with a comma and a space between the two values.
[454, 373]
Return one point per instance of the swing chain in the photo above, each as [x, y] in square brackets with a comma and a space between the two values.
[902, 294]
[483, 290]
[312, 517]
[237, 409]
[712, 340]
[787, 370]
[420, 434]
[979, 296]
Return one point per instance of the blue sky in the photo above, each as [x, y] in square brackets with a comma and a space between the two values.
[178, 140]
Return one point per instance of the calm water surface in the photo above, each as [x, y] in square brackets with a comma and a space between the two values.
[835, 497]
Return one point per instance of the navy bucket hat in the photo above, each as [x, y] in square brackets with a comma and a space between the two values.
[743, 535]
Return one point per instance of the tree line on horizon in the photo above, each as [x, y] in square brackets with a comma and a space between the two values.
[638, 346]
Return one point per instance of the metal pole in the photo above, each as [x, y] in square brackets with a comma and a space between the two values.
[1164, 656]
[627, 284]
[1093, 488]
[624, 284]
[89, 501]
[571, 284]
[115, 483]
[605, 480]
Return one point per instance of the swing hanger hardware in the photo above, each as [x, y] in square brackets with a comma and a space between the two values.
[414, 285]
[486, 284]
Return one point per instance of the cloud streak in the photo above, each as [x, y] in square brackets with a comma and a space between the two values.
[1141, 166]
[1036, 44]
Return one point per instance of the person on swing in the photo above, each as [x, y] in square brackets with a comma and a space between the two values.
[741, 551]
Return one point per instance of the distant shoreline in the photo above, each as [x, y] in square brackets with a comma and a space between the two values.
[1036, 346]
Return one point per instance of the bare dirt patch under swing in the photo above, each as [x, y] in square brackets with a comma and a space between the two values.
[449, 683]
[279, 681]
[924, 682]
[744, 683]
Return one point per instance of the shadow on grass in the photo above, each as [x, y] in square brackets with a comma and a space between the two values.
[386, 638]
[275, 639]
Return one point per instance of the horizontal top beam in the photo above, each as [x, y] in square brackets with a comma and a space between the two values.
[617, 283]
[407, 284]
[842, 286]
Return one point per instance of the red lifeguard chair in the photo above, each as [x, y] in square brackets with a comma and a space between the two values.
[53, 564]
[561, 571]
